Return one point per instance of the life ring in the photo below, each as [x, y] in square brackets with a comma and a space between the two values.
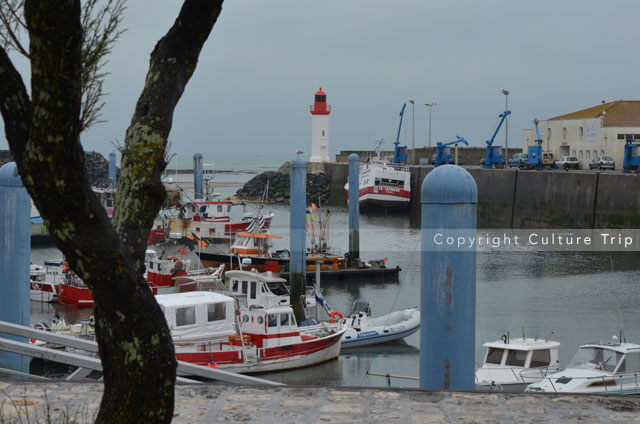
[179, 266]
[333, 314]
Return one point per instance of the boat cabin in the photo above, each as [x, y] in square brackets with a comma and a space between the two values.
[198, 316]
[270, 327]
[252, 244]
[263, 289]
[610, 357]
[521, 353]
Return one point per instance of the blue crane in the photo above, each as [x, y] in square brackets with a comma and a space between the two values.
[443, 155]
[400, 153]
[494, 153]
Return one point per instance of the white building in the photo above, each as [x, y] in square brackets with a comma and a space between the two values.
[320, 128]
[598, 131]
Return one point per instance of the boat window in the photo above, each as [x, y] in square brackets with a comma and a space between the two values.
[185, 316]
[631, 363]
[377, 181]
[234, 286]
[494, 356]
[229, 208]
[516, 358]
[216, 312]
[597, 358]
[278, 288]
[253, 290]
[260, 319]
[284, 319]
[272, 320]
[245, 284]
[540, 358]
[219, 208]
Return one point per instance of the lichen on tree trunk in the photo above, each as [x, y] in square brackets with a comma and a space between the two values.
[43, 132]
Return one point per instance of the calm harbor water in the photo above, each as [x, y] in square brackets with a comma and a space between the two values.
[571, 297]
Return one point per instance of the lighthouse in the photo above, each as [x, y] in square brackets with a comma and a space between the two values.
[320, 111]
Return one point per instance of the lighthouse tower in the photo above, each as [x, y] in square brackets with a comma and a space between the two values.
[320, 111]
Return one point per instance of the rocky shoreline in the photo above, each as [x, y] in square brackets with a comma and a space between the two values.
[278, 183]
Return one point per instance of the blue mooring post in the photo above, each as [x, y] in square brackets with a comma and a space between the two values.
[112, 169]
[197, 176]
[298, 246]
[354, 207]
[15, 255]
[449, 197]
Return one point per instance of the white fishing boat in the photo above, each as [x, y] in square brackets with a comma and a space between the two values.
[364, 330]
[602, 367]
[211, 328]
[45, 280]
[383, 182]
[510, 364]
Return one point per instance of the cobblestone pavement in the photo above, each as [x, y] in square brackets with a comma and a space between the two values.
[33, 402]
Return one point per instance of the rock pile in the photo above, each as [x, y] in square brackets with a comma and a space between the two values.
[97, 167]
[318, 188]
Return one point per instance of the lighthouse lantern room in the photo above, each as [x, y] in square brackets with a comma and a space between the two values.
[320, 111]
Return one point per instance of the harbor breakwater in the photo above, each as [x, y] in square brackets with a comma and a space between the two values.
[511, 198]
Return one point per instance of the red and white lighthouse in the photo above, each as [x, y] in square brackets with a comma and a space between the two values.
[320, 111]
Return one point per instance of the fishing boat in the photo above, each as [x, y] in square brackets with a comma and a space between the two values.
[364, 330]
[510, 364]
[211, 328]
[210, 218]
[45, 280]
[385, 182]
[602, 367]
[252, 249]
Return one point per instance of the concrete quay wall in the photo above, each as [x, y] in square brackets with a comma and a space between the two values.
[511, 198]
[205, 403]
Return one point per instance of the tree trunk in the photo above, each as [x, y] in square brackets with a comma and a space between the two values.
[134, 342]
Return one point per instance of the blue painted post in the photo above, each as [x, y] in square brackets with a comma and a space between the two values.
[354, 207]
[449, 197]
[298, 240]
[112, 169]
[15, 255]
[197, 176]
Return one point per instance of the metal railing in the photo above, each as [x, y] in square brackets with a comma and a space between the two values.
[86, 364]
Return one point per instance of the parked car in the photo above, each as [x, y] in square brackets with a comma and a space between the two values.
[567, 162]
[520, 160]
[452, 160]
[602, 162]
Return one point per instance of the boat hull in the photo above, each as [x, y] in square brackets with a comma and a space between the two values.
[262, 264]
[253, 360]
[377, 334]
[41, 291]
[75, 296]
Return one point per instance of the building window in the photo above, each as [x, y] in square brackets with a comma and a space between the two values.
[581, 131]
[573, 153]
[620, 136]
[580, 153]
[564, 133]
[323, 133]
[601, 152]
[595, 154]
[588, 154]
[548, 133]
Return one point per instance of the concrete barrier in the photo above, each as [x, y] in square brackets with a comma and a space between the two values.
[618, 201]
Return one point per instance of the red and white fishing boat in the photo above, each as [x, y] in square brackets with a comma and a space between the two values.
[383, 183]
[209, 218]
[160, 273]
[45, 281]
[209, 328]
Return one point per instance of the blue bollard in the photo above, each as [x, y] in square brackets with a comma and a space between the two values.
[112, 169]
[449, 198]
[354, 206]
[197, 176]
[15, 255]
[298, 237]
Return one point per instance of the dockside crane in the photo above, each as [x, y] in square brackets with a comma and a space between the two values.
[400, 153]
[493, 157]
[443, 153]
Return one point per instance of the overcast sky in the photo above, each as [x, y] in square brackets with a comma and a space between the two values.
[265, 59]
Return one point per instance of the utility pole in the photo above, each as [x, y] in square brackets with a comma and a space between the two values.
[430, 105]
[506, 124]
[413, 133]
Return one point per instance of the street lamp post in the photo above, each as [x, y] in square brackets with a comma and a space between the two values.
[413, 132]
[430, 105]
[506, 124]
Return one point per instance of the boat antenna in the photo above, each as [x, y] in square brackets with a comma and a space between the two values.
[617, 303]
[522, 333]
[537, 334]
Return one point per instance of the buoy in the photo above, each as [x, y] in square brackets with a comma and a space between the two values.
[213, 365]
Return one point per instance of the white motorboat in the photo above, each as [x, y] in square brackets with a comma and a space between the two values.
[45, 281]
[602, 367]
[511, 364]
[363, 330]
